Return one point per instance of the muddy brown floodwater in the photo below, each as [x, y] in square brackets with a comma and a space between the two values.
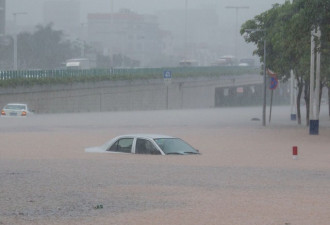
[246, 174]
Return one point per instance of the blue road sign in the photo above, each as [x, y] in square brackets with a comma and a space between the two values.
[167, 74]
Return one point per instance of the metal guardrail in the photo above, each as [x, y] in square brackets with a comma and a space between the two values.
[37, 74]
[152, 72]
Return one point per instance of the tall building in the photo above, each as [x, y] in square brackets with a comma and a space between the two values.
[2, 17]
[195, 33]
[64, 15]
[128, 34]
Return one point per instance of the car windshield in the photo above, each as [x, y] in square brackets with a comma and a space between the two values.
[16, 107]
[174, 146]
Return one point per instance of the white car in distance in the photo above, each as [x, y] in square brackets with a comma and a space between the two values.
[15, 110]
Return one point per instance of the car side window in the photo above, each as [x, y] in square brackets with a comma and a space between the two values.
[145, 147]
[122, 145]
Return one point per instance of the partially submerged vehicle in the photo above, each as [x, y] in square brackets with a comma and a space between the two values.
[153, 144]
[15, 110]
[78, 64]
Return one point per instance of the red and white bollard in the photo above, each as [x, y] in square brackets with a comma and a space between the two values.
[295, 152]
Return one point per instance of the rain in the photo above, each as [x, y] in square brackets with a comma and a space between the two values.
[246, 173]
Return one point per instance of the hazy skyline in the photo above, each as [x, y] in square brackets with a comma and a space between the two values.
[35, 8]
[227, 35]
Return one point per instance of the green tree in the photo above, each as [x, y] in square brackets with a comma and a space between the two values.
[287, 30]
[44, 49]
[6, 53]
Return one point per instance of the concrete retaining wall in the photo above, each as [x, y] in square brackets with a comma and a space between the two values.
[124, 95]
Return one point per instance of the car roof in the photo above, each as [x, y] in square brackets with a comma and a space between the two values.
[152, 136]
[16, 104]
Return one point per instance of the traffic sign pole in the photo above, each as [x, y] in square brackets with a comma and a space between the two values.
[167, 75]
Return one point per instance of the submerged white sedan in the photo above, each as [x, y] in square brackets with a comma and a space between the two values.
[15, 109]
[145, 144]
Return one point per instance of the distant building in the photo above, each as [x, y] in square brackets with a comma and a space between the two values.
[128, 34]
[195, 33]
[64, 15]
[2, 17]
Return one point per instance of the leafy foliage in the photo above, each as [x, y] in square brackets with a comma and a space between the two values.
[44, 49]
[287, 30]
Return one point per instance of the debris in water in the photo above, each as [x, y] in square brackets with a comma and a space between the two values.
[98, 207]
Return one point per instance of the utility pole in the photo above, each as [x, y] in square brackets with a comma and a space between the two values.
[236, 24]
[314, 100]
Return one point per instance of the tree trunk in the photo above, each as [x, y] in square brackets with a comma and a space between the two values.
[307, 100]
[300, 88]
[320, 95]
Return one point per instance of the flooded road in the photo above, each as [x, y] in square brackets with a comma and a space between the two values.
[245, 175]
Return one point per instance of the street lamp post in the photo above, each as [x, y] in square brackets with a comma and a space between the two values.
[185, 28]
[15, 37]
[265, 78]
[82, 47]
[111, 6]
[236, 23]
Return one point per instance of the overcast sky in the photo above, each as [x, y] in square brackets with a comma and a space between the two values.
[227, 17]
[35, 14]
